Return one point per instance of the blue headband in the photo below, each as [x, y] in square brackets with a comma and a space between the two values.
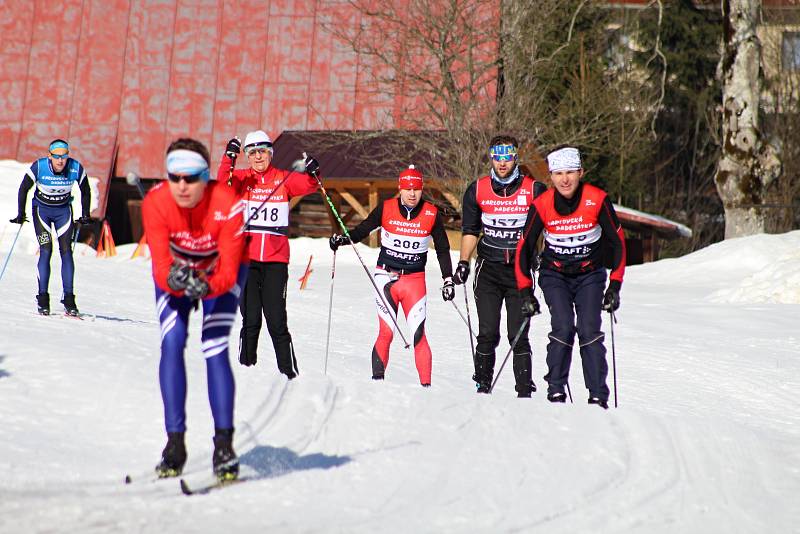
[187, 162]
[58, 144]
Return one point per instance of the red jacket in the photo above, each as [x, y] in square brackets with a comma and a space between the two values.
[268, 230]
[209, 236]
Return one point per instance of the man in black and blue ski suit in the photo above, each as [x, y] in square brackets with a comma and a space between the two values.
[53, 177]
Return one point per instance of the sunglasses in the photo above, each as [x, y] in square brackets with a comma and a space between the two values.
[503, 153]
[59, 156]
[189, 179]
[257, 150]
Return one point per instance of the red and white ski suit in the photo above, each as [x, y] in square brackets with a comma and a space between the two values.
[400, 275]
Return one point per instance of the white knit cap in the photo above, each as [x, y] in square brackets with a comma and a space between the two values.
[564, 159]
[259, 137]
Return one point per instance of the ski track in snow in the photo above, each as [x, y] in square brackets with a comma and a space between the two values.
[706, 437]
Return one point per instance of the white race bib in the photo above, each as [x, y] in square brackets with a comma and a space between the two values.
[404, 243]
[266, 216]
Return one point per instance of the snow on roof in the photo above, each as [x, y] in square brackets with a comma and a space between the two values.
[663, 226]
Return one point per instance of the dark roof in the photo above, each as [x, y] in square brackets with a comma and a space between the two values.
[364, 154]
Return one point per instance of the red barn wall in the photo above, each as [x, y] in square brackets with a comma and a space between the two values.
[139, 74]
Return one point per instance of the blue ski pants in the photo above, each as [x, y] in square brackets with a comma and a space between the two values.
[59, 217]
[568, 296]
[219, 314]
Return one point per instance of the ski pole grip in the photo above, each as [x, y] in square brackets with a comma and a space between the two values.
[313, 173]
[133, 179]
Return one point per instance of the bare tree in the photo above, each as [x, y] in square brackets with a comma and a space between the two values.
[748, 172]
[437, 61]
[469, 69]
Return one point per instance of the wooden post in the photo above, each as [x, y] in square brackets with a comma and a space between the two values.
[649, 246]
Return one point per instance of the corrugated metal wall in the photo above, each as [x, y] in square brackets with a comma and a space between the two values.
[145, 72]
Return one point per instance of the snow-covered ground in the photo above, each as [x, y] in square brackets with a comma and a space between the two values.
[705, 439]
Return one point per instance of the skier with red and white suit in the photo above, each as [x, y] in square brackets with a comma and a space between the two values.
[408, 224]
[266, 191]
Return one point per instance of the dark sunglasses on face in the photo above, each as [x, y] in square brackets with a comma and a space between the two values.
[59, 156]
[190, 179]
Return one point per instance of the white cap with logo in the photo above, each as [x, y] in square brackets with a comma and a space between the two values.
[564, 159]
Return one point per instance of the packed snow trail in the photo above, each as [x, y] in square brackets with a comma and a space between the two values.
[706, 437]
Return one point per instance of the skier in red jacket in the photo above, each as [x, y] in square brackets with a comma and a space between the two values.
[577, 220]
[194, 230]
[265, 192]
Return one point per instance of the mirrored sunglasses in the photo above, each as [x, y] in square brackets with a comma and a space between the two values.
[189, 179]
[503, 153]
[257, 150]
[59, 156]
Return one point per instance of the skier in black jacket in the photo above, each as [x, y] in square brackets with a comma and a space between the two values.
[494, 211]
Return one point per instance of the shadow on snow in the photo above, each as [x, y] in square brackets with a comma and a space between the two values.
[271, 462]
[3, 373]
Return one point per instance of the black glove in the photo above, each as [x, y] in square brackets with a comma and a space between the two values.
[462, 272]
[178, 276]
[611, 298]
[449, 289]
[337, 241]
[312, 165]
[530, 305]
[233, 148]
[19, 219]
[85, 220]
[196, 287]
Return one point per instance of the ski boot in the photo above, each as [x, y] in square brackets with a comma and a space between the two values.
[600, 402]
[43, 303]
[173, 457]
[69, 305]
[482, 385]
[224, 460]
[525, 391]
[558, 396]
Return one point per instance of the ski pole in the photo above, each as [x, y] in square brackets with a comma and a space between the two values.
[366, 270]
[75, 234]
[233, 165]
[510, 350]
[330, 313]
[466, 322]
[469, 322]
[569, 392]
[5, 264]
[613, 355]
[230, 173]
[133, 179]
